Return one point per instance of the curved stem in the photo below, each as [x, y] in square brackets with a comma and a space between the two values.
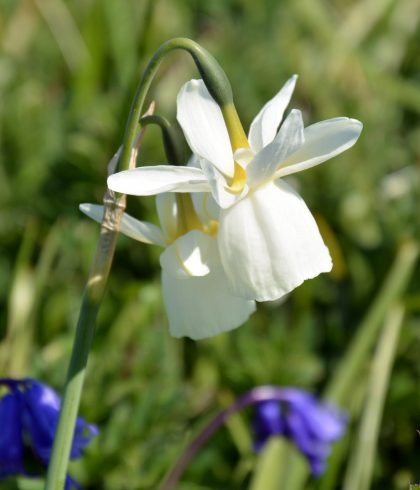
[260, 394]
[210, 70]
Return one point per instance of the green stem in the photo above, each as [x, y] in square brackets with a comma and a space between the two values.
[92, 298]
[214, 77]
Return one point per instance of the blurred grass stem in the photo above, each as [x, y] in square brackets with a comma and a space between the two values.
[360, 468]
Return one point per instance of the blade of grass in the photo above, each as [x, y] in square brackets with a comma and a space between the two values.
[271, 472]
[360, 468]
[65, 32]
[24, 298]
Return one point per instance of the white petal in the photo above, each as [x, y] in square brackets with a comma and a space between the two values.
[93, 211]
[204, 203]
[168, 214]
[141, 231]
[288, 140]
[200, 307]
[190, 255]
[244, 156]
[323, 141]
[206, 207]
[148, 181]
[202, 122]
[219, 188]
[269, 243]
[265, 125]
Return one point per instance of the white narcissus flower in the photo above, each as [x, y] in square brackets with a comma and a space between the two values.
[268, 240]
[195, 292]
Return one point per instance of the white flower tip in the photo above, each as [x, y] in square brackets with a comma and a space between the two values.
[357, 123]
[354, 126]
[291, 82]
[296, 112]
[194, 82]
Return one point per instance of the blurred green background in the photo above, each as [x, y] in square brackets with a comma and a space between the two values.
[68, 71]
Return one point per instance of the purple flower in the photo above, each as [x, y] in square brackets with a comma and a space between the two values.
[312, 425]
[29, 416]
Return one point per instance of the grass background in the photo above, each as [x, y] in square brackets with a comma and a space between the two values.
[68, 71]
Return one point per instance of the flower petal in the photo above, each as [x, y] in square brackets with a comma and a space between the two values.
[244, 156]
[313, 426]
[42, 408]
[202, 122]
[148, 181]
[168, 215]
[204, 203]
[287, 141]
[11, 438]
[324, 421]
[221, 193]
[268, 421]
[265, 124]
[323, 141]
[200, 307]
[206, 207]
[141, 231]
[269, 243]
[188, 256]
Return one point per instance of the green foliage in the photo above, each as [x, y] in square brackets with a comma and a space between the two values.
[67, 75]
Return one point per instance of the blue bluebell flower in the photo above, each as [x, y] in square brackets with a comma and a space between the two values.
[296, 414]
[29, 414]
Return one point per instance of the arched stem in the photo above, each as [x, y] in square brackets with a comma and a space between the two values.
[212, 73]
